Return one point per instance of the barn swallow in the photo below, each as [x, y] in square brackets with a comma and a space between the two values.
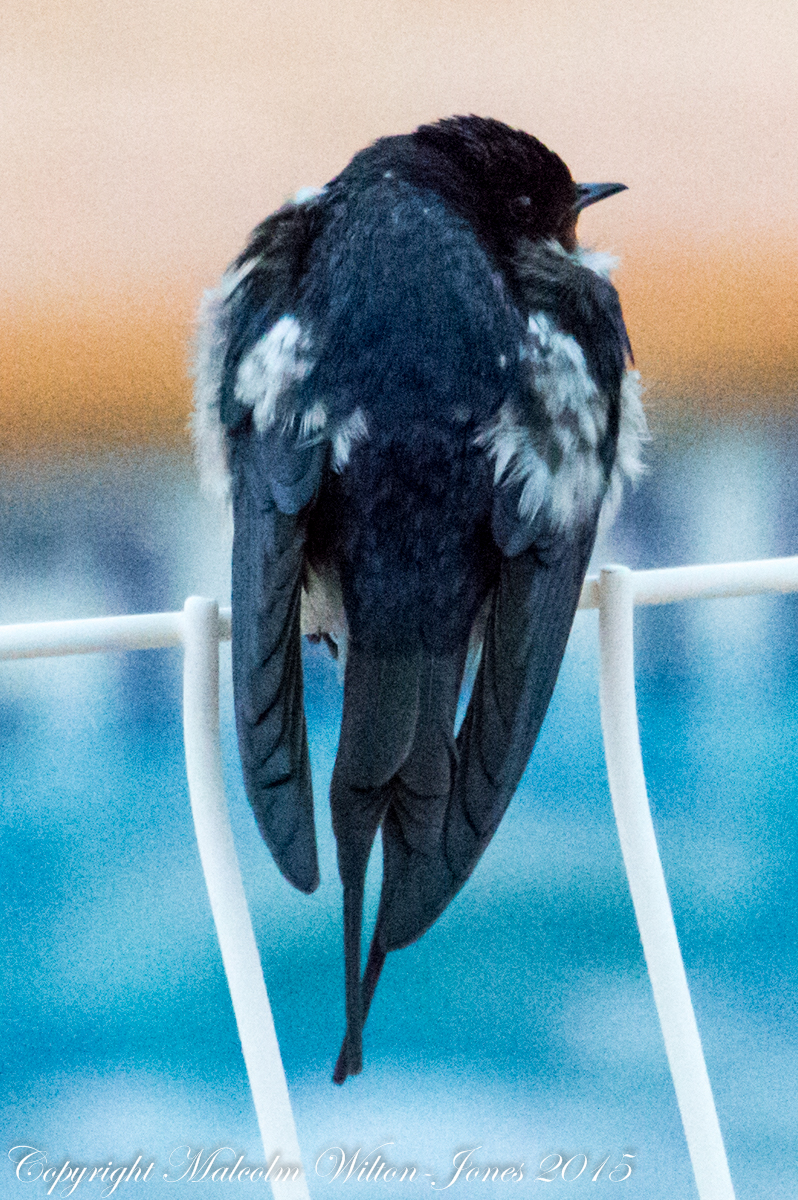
[418, 390]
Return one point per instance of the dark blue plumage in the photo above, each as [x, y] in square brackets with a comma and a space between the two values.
[419, 386]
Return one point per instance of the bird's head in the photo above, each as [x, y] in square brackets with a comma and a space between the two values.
[516, 187]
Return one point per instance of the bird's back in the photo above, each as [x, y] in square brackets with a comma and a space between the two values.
[415, 347]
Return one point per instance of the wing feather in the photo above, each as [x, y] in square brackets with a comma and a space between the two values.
[274, 470]
[554, 448]
[268, 561]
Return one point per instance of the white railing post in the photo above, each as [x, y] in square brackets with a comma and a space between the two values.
[228, 902]
[647, 885]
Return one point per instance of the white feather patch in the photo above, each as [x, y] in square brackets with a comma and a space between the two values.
[210, 346]
[313, 421]
[597, 261]
[517, 458]
[353, 430]
[561, 378]
[305, 195]
[633, 432]
[553, 450]
[277, 360]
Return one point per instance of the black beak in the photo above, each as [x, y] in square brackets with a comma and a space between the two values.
[591, 193]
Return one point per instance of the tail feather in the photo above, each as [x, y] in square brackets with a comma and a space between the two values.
[398, 725]
[439, 800]
[525, 639]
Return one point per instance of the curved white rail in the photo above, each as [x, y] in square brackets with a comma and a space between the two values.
[228, 903]
[201, 626]
[199, 629]
[647, 885]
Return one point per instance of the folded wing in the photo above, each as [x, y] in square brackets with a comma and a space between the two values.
[555, 451]
[251, 352]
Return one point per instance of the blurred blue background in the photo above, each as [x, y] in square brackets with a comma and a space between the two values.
[523, 1022]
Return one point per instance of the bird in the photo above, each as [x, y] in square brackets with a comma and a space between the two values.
[417, 390]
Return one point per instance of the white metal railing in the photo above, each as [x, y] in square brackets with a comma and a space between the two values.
[200, 627]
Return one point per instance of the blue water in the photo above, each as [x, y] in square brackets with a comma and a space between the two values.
[522, 1025]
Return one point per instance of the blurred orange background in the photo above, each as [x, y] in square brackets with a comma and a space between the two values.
[142, 141]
